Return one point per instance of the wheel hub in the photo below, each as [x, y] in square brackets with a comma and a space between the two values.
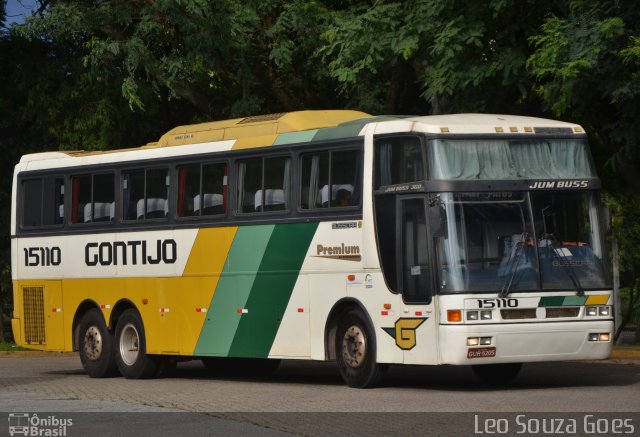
[129, 344]
[354, 346]
[93, 343]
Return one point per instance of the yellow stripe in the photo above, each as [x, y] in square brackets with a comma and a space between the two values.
[257, 141]
[209, 251]
[597, 299]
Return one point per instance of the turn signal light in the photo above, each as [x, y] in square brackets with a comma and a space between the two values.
[454, 316]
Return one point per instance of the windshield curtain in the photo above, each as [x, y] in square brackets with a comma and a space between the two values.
[520, 241]
[510, 159]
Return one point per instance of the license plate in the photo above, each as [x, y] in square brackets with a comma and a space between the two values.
[481, 352]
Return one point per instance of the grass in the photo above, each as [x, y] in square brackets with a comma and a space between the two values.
[6, 346]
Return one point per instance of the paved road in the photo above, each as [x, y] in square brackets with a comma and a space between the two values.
[289, 401]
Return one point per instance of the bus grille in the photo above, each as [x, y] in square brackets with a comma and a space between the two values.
[33, 299]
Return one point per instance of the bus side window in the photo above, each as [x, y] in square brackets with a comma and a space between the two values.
[330, 179]
[263, 184]
[202, 190]
[213, 200]
[32, 203]
[81, 199]
[92, 198]
[398, 161]
[315, 177]
[103, 200]
[145, 194]
[43, 202]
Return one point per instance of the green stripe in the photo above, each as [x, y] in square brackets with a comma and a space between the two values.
[559, 301]
[232, 292]
[295, 137]
[574, 300]
[272, 289]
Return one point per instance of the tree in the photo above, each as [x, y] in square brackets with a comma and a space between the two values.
[118, 73]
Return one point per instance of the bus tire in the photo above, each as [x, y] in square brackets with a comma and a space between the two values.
[356, 352]
[497, 374]
[131, 357]
[96, 346]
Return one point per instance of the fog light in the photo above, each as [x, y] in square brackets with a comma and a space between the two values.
[485, 315]
[485, 341]
[604, 337]
[604, 311]
[454, 315]
[473, 341]
[472, 315]
[592, 311]
[593, 337]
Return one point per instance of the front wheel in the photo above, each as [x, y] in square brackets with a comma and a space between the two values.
[497, 374]
[356, 352]
[96, 346]
[131, 356]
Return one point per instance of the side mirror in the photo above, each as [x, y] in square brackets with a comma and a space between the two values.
[437, 221]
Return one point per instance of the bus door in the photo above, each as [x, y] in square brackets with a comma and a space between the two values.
[416, 223]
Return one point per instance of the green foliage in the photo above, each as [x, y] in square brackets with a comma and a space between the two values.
[586, 67]
[89, 74]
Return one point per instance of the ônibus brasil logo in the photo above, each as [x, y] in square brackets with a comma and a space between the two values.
[32, 425]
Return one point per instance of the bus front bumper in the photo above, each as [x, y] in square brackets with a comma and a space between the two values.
[525, 342]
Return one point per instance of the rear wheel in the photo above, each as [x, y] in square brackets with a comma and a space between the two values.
[497, 374]
[356, 352]
[96, 346]
[131, 357]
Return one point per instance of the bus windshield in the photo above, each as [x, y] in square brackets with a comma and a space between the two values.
[500, 159]
[521, 241]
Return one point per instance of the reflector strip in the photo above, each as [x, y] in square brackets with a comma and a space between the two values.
[242, 311]
[384, 313]
[418, 313]
[201, 310]
[301, 310]
[56, 310]
[164, 310]
[105, 306]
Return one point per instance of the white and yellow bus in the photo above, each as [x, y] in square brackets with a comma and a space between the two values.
[466, 239]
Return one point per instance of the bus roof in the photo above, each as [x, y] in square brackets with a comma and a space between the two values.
[479, 124]
[306, 126]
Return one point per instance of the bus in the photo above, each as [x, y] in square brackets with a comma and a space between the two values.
[466, 239]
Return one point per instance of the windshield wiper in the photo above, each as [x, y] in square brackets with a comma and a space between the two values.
[570, 272]
[512, 269]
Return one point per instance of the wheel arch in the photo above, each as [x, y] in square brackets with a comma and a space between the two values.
[120, 307]
[338, 310]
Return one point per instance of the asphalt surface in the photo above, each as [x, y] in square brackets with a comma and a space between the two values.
[308, 398]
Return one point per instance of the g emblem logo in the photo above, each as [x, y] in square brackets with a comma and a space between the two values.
[405, 332]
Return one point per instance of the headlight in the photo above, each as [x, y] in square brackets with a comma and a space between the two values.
[592, 311]
[604, 311]
[485, 315]
[472, 315]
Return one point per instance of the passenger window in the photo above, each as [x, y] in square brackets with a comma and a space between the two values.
[145, 194]
[202, 190]
[92, 198]
[398, 161]
[330, 179]
[42, 202]
[263, 184]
